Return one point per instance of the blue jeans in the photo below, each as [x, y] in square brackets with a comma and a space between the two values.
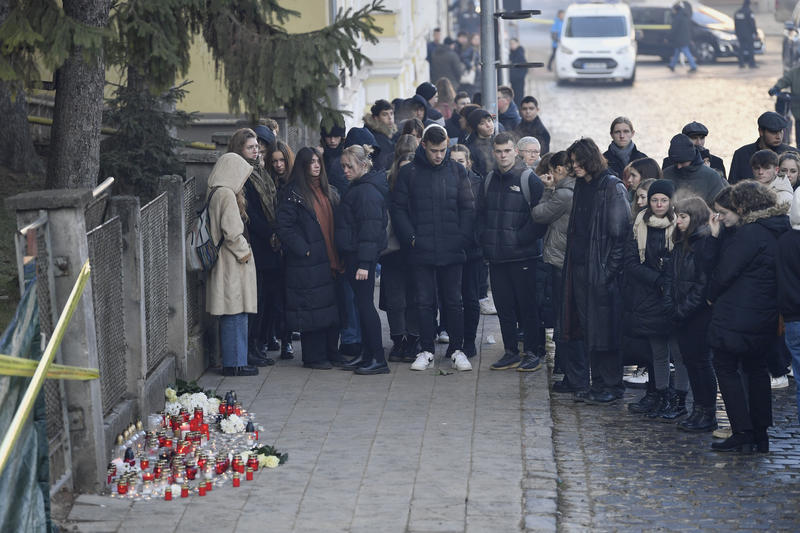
[677, 55]
[233, 339]
[793, 343]
[348, 314]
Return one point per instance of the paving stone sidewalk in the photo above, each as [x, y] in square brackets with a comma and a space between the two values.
[405, 452]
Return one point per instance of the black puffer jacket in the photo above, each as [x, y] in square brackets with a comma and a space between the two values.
[361, 218]
[433, 210]
[310, 290]
[687, 278]
[507, 230]
[743, 286]
[332, 159]
[646, 313]
[259, 227]
[615, 164]
[474, 250]
[480, 151]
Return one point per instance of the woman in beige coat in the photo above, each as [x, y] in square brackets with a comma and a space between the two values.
[231, 291]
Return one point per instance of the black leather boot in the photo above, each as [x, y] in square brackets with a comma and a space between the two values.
[738, 442]
[661, 404]
[762, 439]
[645, 404]
[676, 407]
[707, 421]
[692, 418]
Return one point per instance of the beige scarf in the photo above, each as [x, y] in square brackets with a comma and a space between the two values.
[640, 231]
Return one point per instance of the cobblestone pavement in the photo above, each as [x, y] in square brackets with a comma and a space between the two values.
[620, 472]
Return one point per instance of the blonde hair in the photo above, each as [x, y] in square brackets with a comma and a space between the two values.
[360, 154]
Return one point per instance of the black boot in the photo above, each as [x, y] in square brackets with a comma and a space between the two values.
[397, 353]
[690, 420]
[706, 421]
[287, 352]
[676, 407]
[738, 442]
[645, 404]
[412, 348]
[661, 404]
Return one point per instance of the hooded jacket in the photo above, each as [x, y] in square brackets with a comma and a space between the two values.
[361, 218]
[687, 276]
[507, 230]
[743, 287]
[535, 128]
[609, 229]
[383, 138]
[433, 210]
[310, 288]
[332, 159]
[695, 180]
[740, 164]
[788, 266]
[511, 118]
[554, 209]
[231, 287]
[783, 189]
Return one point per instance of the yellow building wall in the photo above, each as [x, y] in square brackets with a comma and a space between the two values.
[207, 94]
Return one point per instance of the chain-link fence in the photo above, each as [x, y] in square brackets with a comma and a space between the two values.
[193, 297]
[105, 255]
[95, 212]
[155, 260]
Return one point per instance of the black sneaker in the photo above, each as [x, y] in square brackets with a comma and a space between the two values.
[319, 365]
[287, 352]
[530, 363]
[239, 371]
[273, 345]
[509, 360]
[563, 387]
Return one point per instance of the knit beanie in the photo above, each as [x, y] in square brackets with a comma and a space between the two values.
[681, 148]
[476, 116]
[664, 187]
[427, 90]
[335, 131]
[264, 135]
[360, 136]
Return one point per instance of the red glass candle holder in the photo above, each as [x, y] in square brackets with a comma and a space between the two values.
[147, 476]
[201, 490]
[144, 464]
[249, 474]
[236, 480]
[209, 486]
[185, 491]
[122, 487]
[205, 430]
[168, 494]
[184, 414]
[223, 408]
[252, 462]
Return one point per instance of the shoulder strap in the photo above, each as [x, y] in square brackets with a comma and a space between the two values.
[525, 185]
[208, 200]
[487, 181]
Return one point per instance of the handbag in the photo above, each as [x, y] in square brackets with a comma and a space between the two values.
[468, 77]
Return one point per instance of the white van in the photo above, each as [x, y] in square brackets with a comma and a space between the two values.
[597, 42]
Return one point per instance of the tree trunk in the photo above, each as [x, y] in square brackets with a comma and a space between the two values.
[16, 146]
[75, 139]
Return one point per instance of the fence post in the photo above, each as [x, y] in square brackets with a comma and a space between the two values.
[177, 331]
[127, 209]
[70, 250]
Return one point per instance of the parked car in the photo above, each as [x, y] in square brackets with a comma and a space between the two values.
[791, 40]
[597, 42]
[713, 34]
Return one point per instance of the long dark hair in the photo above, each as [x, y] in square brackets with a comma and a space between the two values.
[288, 156]
[301, 177]
[588, 155]
[698, 212]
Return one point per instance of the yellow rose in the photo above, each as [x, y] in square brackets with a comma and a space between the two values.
[171, 395]
[271, 461]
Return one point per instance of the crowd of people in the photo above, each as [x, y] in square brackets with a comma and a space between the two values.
[677, 267]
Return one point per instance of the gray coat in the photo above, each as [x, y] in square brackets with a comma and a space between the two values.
[554, 209]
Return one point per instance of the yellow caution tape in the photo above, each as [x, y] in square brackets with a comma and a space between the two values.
[17, 366]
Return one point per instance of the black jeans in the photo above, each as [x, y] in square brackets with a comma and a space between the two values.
[697, 358]
[397, 284]
[427, 278]
[514, 291]
[751, 411]
[483, 277]
[605, 365]
[364, 291]
[320, 345]
[257, 323]
[470, 287]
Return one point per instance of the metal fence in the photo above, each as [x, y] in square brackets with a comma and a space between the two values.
[193, 296]
[155, 261]
[105, 255]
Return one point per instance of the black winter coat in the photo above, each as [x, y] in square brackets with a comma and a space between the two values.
[740, 164]
[383, 137]
[615, 164]
[433, 210]
[453, 126]
[474, 250]
[714, 162]
[333, 168]
[534, 128]
[310, 289]
[610, 227]
[743, 287]
[788, 268]
[646, 312]
[480, 151]
[687, 277]
[680, 34]
[696, 180]
[507, 230]
[361, 218]
[260, 229]
[511, 118]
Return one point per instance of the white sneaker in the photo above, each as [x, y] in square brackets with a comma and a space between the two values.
[443, 338]
[779, 383]
[424, 360]
[639, 377]
[460, 361]
[487, 306]
[490, 339]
